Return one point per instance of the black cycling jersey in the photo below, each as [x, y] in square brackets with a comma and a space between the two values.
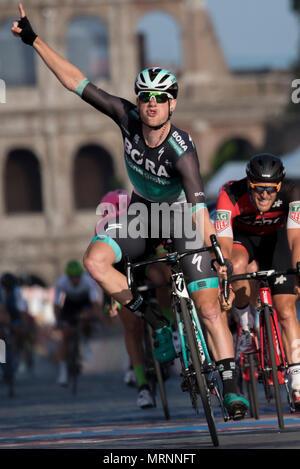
[166, 173]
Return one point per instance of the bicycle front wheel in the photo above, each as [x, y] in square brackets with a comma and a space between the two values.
[197, 367]
[159, 377]
[271, 353]
[252, 387]
[74, 363]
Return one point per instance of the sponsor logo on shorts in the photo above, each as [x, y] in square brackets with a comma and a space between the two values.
[222, 220]
[280, 280]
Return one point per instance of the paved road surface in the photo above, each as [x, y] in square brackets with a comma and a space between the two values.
[104, 415]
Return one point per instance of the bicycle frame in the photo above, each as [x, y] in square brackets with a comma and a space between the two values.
[179, 291]
[273, 364]
[266, 300]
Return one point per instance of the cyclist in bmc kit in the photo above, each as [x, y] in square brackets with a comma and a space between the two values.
[258, 218]
[76, 297]
[163, 166]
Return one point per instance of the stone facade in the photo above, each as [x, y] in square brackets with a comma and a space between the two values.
[214, 105]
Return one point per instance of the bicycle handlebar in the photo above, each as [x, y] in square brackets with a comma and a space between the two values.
[265, 274]
[174, 256]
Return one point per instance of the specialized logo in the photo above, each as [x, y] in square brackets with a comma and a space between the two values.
[179, 284]
[197, 259]
[139, 159]
[161, 152]
[222, 220]
[295, 212]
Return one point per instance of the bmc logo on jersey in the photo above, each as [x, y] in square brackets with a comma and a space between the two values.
[222, 220]
[295, 213]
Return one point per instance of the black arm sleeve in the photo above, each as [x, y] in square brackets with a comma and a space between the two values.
[112, 106]
[188, 167]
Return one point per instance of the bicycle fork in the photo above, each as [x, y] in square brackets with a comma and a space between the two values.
[282, 365]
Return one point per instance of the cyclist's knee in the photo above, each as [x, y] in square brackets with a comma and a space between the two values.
[210, 314]
[285, 306]
[209, 308]
[240, 264]
[96, 263]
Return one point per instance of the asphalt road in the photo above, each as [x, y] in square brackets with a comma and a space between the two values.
[103, 415]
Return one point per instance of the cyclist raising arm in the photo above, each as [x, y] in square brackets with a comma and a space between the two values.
[163, 166]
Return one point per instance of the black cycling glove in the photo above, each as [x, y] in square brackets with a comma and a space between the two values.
[27, 35]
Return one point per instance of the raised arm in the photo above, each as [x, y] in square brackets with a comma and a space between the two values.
[69, 75]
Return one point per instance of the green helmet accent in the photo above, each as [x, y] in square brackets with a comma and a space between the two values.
[156, 79]
[74, 269]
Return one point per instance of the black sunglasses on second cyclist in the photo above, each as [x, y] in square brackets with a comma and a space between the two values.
[159, 96]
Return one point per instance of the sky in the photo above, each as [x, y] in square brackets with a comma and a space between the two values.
[256, 32]
[253, 33]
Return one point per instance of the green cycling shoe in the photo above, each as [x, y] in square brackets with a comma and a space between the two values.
[164, 350]
[236, 406]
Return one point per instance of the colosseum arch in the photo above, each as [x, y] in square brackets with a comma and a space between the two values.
[164, 48]
[17, 63]
[88, 46]
[233, 149]
[22, 182]
[93, 176]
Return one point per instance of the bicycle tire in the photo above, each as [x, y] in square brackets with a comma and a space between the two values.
[73, 363]
[201, 381]
[159, 378]
[271, 352]
[252, 388]
[9, 369]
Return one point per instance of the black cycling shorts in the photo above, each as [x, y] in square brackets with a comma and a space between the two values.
[72, 308]
[271, 251]
[197, 268]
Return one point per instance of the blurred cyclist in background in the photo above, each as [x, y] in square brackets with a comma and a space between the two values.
[14, 308]
[77, 297]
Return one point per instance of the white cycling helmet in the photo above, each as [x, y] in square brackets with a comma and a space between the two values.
[156, 79]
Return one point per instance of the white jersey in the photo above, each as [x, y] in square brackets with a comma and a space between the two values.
[87, 287]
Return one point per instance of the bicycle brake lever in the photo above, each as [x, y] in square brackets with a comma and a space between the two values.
[221, 262]
[217, 250]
